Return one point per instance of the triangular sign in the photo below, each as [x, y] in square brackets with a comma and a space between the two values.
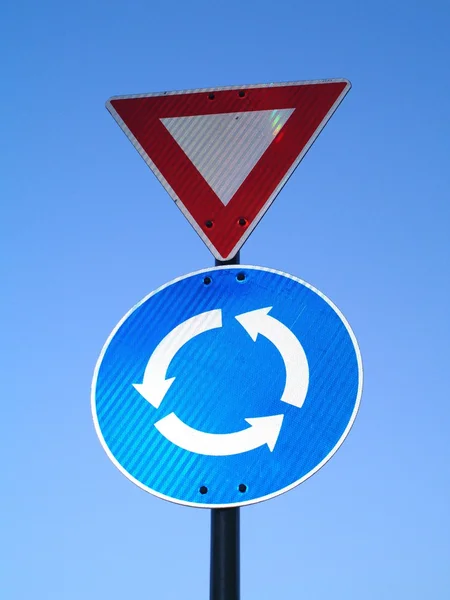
[223, 154]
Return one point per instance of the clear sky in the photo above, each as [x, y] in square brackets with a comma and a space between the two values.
[87, 231]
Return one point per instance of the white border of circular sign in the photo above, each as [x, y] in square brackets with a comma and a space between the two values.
[255, 500]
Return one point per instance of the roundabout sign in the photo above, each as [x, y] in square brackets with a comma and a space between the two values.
[226, 387]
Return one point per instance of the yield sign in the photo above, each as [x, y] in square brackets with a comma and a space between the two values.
[223, 154]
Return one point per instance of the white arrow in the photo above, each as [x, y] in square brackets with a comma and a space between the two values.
[154, 385]
[262, 430]
[292, 353]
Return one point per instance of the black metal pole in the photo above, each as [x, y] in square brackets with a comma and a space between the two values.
[225, 538]
[225, 554]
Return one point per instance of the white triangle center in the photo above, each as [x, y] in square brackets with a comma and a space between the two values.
[225, 147]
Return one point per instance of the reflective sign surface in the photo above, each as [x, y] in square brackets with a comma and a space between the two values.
[224, 154]
[226, 387]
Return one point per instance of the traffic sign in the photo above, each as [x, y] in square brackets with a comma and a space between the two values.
[223, 154]
[227, 386]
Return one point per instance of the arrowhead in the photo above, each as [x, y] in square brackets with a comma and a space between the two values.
[154, 392]
[252, 321]
[268, 427]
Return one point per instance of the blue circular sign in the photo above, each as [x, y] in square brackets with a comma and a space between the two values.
[226, 387]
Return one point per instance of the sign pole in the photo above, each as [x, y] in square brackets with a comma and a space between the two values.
[225, 554]
[225, 538]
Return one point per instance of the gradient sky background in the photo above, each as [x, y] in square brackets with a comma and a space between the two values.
[87, 231]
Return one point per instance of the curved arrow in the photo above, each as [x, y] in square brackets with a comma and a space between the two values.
[297, 371]
[154, 385]
[262, 430]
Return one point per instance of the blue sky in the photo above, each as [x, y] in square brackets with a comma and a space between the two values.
[87, 231]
